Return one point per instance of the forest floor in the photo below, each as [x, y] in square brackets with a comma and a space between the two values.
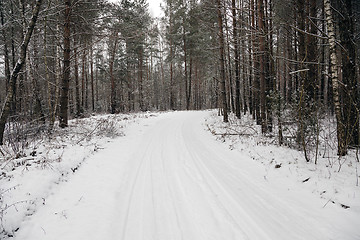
[174, 176]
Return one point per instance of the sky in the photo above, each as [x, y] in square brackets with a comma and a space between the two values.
[154, 7]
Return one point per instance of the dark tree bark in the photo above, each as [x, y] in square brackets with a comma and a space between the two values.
[64, 97]
[112, 77]
[92, 78]
[6, 51]
[20, 63]
[244, 58]
[256, 81]
[190, 79]
[311, 82]
[302, 113]
[86, 80]
[13, 57]
[76, 76]
[270, 65]
[171, 87]
[140, 78]
[34, 68]
[187, 92]
[19, 90]
[222, 62]
[349, 76]
[262, 69]
[83, 73]
[230, 89]
[237, 61]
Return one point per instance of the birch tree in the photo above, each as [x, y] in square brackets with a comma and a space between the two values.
[335, 78]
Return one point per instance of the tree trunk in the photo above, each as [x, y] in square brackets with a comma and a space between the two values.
[237, 61]
[76, 76]
[92, 78]
[350, 82]
[112, 78]
[171, 87]
[140, 79]
[20, 63]
[302, 113]
[19, 91]
[262, 66]
[230, 90]
[47, 76]
[190, 79]
[57, 63]
[86, 79]
[64, 98]
[270, 65]
[187, 93]
[256, 81]
[342, 149]
[312, 55]
[34, 68]
[6, 52]
[222, 62]
[13, 62]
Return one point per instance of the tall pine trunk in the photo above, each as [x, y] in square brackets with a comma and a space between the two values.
[237, 61]
[262, 69]
[112, 77]
[92, 78]
[222, 62]
[6, 51]
[76, 76]
[64, 97]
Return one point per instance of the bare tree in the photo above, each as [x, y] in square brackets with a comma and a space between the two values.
[20, 63]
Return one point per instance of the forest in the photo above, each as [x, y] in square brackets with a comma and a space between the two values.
[284, 63]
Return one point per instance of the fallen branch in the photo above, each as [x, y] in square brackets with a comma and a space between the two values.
[91, 132]
[298, 71]
[232, 134]
[330, 200]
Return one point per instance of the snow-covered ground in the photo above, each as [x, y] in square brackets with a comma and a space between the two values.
[167, 177]
[32, 169]
[333, 179]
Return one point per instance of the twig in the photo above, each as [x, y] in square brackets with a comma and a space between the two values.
[340, 164]
[7, 162]
[327, 203]
[232, 134]
[3, 210]
[298, 71]
[91, 132]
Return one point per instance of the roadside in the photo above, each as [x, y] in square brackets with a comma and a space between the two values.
[32, 169]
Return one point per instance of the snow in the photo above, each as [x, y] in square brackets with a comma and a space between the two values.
[26, 183]
[167, 177]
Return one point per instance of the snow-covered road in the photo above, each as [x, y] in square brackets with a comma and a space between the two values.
[169, 179]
